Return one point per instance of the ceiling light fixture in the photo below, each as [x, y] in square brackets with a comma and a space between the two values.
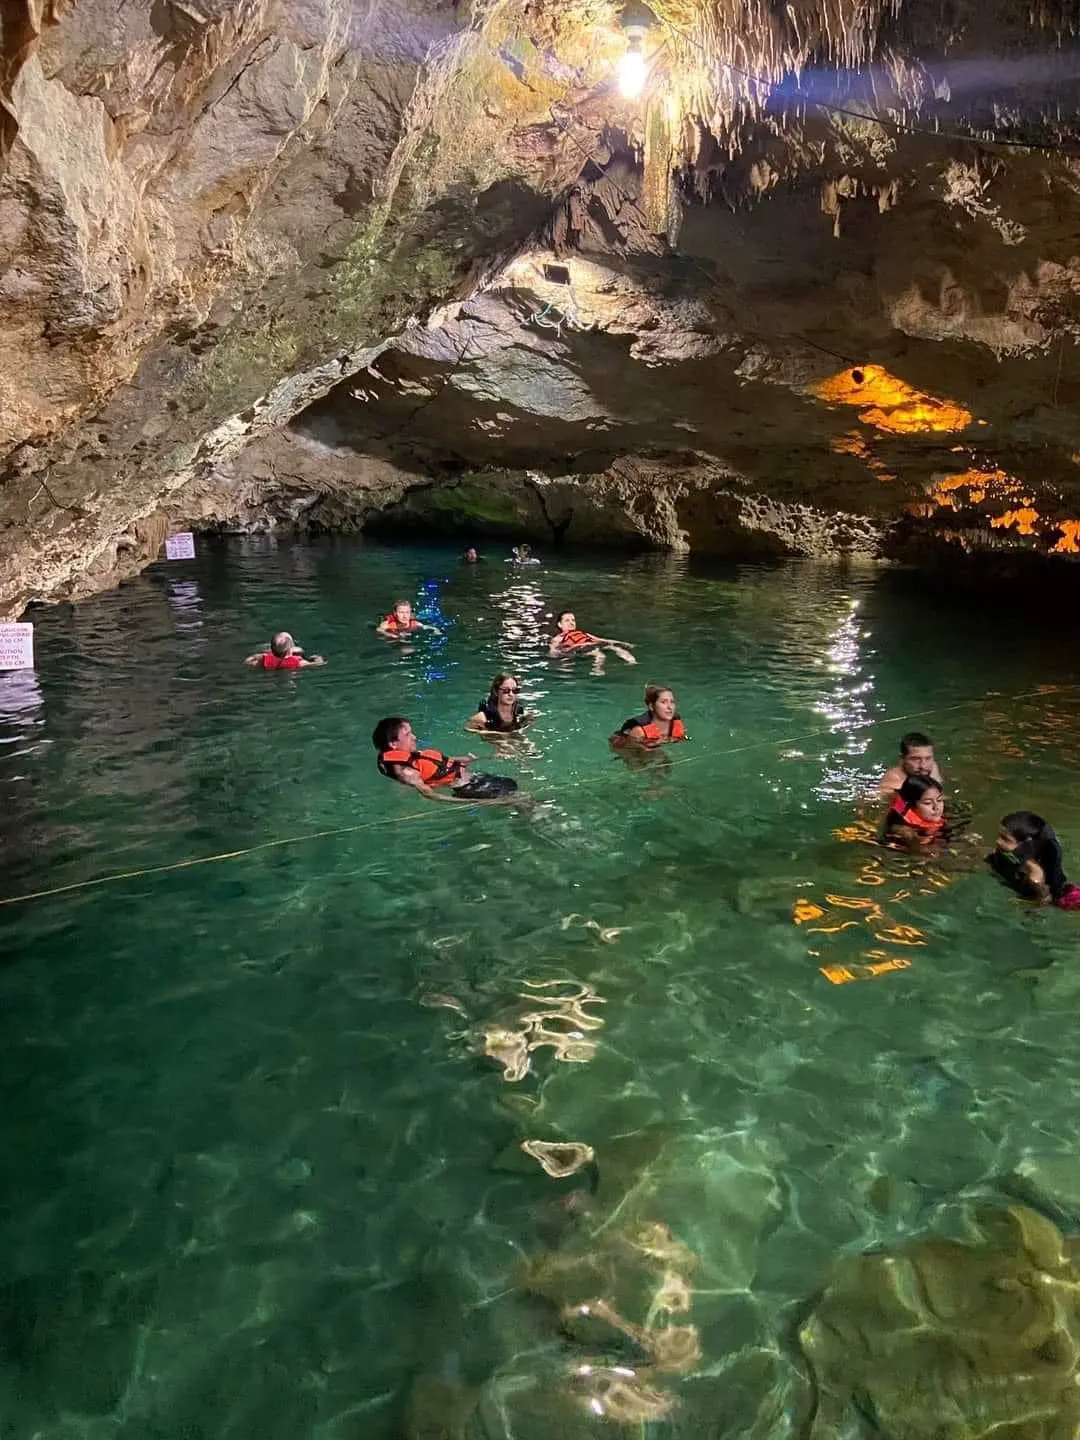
[632, 71]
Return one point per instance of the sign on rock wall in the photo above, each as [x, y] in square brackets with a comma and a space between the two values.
[16, 646]
[180, 546]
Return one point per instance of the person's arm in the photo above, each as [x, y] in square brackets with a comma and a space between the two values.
[555, 644]
[463, 760]
[254, 660]
[889, 784]
[315, 660]
[1037, 878]
[935, 774]
[383, 628]
[477, 722]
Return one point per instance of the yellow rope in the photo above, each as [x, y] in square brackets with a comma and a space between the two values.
[430, 814]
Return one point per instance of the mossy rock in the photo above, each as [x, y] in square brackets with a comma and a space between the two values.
[947, 1341]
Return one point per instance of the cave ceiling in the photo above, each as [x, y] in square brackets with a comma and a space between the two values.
[268, 261]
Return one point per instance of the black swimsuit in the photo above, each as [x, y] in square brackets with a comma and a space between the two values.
[494, 720]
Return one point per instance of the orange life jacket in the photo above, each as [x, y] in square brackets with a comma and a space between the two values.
[571, 639]
[270, 661]
[433, 767]
[910, 816]
[651, 730]
[393, 624]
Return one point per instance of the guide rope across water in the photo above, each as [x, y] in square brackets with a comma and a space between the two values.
[433, 812]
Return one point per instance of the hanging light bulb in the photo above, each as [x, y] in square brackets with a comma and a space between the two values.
[632, 64]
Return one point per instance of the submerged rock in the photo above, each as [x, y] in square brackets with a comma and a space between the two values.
[949, 1339]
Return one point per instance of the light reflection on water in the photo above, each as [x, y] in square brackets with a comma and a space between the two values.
[263, 1139]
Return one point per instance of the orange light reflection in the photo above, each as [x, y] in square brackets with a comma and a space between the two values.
[889, 404]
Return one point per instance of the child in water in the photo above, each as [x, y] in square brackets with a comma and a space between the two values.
[1027, 856]
[917, 815]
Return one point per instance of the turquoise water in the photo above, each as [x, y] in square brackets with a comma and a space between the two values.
[260, 1177]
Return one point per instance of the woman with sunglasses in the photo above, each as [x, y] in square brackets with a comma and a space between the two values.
[502, 713]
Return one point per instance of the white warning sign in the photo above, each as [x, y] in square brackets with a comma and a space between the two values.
[180, 546]
[16, 646]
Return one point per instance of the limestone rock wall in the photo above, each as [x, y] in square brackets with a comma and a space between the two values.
[238, 232]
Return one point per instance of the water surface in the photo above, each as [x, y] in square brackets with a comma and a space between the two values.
[260, 1178]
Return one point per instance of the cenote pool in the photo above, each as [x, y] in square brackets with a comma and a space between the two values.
[260, 1178]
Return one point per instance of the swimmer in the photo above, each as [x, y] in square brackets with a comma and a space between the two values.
[470, 557]
[916, 758]
[661, 724]
[1027, 856]
[569, 640]
[917, 815]
[438, 776]
[401, 622]
[283, 655]
[502, 713]
[522, 555]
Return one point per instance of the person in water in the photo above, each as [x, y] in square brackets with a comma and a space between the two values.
[522, 555]
[916, 758]
[916, 816]
[502, 713]
[661, 724]
[401, 622]
[569, 640]
[283, 655]
[471, 557]
[1027, 856]
[438, 776]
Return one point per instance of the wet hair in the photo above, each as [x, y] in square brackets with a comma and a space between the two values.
[915, 787]
[398, 604]
[915, 740]
[279, 645]
[653, 693]
[493, 693]
[1038, 841]
[386, 732]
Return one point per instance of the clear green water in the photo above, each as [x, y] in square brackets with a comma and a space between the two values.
[258, 1177]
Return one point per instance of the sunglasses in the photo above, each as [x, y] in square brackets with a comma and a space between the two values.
[508, 689]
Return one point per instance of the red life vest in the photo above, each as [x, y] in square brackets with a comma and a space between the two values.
[910, 816]
[433, 767]
[393, 624]
[651, 730]
[573, 639]
[271, 661]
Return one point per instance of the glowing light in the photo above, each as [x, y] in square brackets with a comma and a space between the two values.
[632, 69]
[890, 405]
[1022, 521]
[1069, 543]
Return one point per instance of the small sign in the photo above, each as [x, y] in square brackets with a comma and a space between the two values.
[16, 646]
[180, 546]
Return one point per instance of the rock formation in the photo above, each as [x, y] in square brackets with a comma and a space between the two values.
[944, 1338]
[313, 262]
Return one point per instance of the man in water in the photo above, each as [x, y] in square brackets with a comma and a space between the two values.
[283, 655]
[522, 555]
[916, 758]
[401, 622]
[471, 557]
[435, 775]
[569, 640]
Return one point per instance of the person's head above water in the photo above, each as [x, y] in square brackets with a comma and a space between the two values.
[916, 753]
[522, 551]
[924, 795]
[402, 612]
[1027, 836]
[567, 620]
[504, 688]
[393, 733]
[470, 557]
[660, 702]
[281, 645]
